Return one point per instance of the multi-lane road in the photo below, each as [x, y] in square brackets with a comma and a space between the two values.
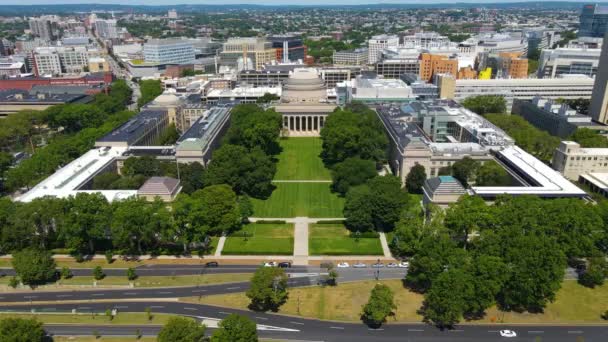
[162, 300]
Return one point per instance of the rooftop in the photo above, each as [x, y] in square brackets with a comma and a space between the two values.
[131, 131]
[201, 133]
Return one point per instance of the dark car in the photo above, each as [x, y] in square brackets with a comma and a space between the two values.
[285, 264]
[212, 264]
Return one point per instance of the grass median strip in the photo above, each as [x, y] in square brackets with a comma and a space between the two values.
[262, 239]
[574, 304]
[122, 318]
[334, 239]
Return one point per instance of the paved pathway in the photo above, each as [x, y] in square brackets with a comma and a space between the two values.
[220, 246]
[384, 243]
[300, 241]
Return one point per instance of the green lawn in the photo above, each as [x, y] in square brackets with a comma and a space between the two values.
[300, 199]
[300, 160]
[333, 239]
[265, 239]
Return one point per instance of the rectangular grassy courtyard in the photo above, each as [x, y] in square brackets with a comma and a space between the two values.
[300, 199]
[262, 239]
[300, 160]
[334, 239]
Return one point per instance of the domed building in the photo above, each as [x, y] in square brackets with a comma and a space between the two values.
[304, 103]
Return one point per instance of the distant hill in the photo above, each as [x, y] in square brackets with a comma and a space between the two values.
[28, 10]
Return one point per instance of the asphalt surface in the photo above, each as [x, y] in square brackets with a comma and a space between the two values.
[296, 328]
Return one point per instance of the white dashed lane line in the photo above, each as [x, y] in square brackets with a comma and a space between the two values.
[339, 328]
[298, 323]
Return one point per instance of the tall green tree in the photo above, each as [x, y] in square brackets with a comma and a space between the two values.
[415, 179]
[86, 222]
[149, 89]
[486, 104]
[358, 210]
[21, 330]
[465, 170]
[351, 172]
[221, 211]
[182, 329]
[237, 328]
[380, 305]
[447, 300]
[251, 126]
[34, 266]
[492, 174]
[468, 215]
[268, 289]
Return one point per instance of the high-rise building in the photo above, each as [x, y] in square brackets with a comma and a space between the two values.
[247, 53]
[42, 27]
[431, 65]
[566, 61]
[106, 29]
[169, 51]
[378, 43]
[594, 21]
[288, 48]
[599, 99]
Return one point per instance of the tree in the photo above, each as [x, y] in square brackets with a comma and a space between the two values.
[247, 172]
[35, 223]
[236, 328]
[589, 138]
[268, 289]
[34, 266]
[447, 299]
[486, 104]
[245, 207]
[136, 224]
[415, 179]
[267, 98]
[251, 126]
[191, 177]
[149, 89]
[86, 221]
[351, 172]
[492, 174]
[109, 254]
[181, 329]
[469, 214]
[66, 273]
[21, 330]
[465, 170]
[169, 135]
[221, 211]
[379, 306]
[147, 166]
[595, 274]
[75, 117]
[348, 134]
[358, 210]
[98, 273]
[131, 274]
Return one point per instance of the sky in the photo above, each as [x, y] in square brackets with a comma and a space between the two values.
[259, 2]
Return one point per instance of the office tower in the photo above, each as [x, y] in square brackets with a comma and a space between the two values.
[379, 43]
[599, 98]
[169, 51]
[594, 21]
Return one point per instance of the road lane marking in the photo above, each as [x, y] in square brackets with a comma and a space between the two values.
[84, 307]
[122, 307]
[224, 313]
[535, 332]
[164, 292]
[98, 294]
[63, 296]
[199, 290]
[191, 309]
[299, 323]
[415, 329]
[574, 332]
[29, 297]
[157, 307]
[375, 329]
[264, 318]
[233, 288]
[130, 293]
[340, 328]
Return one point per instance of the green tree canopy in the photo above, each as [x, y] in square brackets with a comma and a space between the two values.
[34, 266]
[237, 328]
[415, 179]
[86, 222]
[21, 330]
[352, 172]
[268, 289]
[253, 127]
[589, 138]
[465, 170]
[380, 305]
[492, 174]
[181, 329]
[448, 298]
[486, 104]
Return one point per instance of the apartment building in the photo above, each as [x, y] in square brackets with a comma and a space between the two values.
[60, 60]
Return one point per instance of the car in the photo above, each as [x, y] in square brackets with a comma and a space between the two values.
[508, 333]
[392, 265]
[378, 265]
[343, 265]
[359, 265]
[284, 264]
[212, 264]
[270, 264]
[404, 264]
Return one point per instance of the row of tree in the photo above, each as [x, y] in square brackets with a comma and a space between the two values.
[513, 253]
[87, 223]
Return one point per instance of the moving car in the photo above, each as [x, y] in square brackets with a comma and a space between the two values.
[378, 265]
[404, 264]
[392, 265]
[508, 333]
[284, 264]
[270, 264]
[212, 264]
[343, 265]
[359, 265]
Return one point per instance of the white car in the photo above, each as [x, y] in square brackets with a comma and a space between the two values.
[343, 265]
[270, 264]
[392, 265]
[359, 265]
[508, 333]
[404, 264]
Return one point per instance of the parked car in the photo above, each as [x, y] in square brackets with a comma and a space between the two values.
[378, 265]
[404, 264]
[359, 265]
[343, 265]
[508, 333]
[284, 264]
[392, 265]
[212, 264]
[270, 264]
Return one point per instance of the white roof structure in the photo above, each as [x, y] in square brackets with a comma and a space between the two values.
[66, 181]
[244, 92]
[549, 183]
[599, 179]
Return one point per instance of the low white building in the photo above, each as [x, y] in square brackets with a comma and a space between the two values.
[371, 90]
